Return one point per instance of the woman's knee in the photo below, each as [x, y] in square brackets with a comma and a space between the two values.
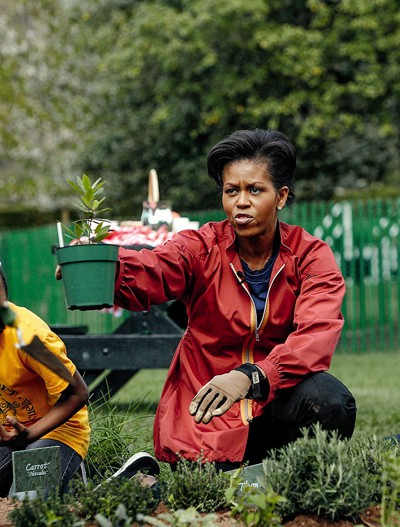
[320, 398]
[339, 408]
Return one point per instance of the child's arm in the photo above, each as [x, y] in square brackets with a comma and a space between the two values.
[70, 401]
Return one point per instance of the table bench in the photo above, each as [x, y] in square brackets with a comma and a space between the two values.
[144, 340]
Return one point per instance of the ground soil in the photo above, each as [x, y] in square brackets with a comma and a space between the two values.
[6, 505]
[370, 518]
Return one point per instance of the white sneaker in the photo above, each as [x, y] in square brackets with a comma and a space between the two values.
[141, 462]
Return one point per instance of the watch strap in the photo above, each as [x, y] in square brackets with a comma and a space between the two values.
[259, 388]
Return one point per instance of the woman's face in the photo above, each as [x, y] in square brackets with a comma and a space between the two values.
[250, 200]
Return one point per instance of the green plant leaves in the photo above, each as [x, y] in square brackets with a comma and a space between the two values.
[90, 226]
[197, 484]
[324, 475]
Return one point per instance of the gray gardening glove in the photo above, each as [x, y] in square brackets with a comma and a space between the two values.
[218, 395]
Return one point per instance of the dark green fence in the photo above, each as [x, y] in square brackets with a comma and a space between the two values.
[29, 263]
[364, 237]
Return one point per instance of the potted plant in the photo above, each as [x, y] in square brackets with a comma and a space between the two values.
[87, 265]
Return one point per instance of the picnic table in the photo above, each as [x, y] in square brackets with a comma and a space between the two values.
[144, 340]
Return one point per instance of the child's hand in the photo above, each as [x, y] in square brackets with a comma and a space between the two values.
[14, 438]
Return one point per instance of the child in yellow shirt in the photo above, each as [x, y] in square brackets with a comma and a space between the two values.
[37, 407]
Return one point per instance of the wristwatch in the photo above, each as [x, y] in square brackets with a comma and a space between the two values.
[259, 388]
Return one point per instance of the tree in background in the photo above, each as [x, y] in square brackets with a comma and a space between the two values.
[39, 122]
[118, 87]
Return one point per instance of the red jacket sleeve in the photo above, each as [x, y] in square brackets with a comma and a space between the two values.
[317, 325]
[149, 277]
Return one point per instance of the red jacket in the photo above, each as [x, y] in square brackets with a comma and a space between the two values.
[298, 334]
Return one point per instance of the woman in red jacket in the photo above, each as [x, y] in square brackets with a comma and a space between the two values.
[263, 301]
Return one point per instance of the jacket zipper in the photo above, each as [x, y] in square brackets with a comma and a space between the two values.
[257, 328]
[246, 404]
[266, 302]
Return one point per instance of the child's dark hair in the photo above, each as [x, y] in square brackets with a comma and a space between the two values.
[3, 281]
[4, 285]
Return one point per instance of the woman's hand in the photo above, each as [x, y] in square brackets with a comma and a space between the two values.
[58, 272]
[217, 396]
[18, 437]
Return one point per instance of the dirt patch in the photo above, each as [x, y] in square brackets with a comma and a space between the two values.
[6, 506]
[370, 517]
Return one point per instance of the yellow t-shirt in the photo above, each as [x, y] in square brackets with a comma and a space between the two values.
[28, 389]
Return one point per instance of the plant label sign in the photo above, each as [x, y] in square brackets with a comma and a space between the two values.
[37, 468]
[252, 475]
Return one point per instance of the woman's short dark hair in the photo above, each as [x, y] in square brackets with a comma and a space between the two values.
[264, 146]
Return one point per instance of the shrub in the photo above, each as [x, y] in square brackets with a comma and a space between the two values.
[197, 484]
[119, 518]
[113, 500]
[390, 504]
[53, 511]
[104, 500]
[181, 518]
[256, 506]
[321, 474]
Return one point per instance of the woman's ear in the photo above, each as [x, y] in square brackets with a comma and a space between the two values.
[282, 197]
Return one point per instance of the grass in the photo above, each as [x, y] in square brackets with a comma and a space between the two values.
[372, 378]
[145, 386]
[119, 424]
[143, 392]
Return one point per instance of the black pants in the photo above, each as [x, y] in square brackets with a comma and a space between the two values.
[319, 398]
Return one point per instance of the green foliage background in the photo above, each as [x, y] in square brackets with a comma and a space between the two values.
[116, 87]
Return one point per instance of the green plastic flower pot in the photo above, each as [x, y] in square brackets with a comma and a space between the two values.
[88, 275]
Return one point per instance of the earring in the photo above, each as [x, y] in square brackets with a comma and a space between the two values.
[279, 208]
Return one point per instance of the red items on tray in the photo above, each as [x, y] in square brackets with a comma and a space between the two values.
[138, 235]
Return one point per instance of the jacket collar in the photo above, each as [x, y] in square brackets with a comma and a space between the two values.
[283, 230]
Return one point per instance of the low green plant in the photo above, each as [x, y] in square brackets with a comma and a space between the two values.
[324, 475]
[104, 500]
[374, 453]
[390, 504]
[189, 517]
[119, 519]
[53, 511]
[256, 506]
[197, 484]
[89, 203]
